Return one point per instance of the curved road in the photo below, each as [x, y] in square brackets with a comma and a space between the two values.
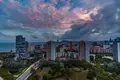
[27, 73]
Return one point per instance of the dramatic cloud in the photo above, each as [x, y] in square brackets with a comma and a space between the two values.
[104, 25]
[42, 20]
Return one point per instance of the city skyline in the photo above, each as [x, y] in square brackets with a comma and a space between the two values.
[59, 39]
[44, 20]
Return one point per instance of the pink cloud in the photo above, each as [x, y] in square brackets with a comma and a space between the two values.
[38, 14]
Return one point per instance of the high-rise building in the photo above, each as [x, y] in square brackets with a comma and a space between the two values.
[51, 50]
[21, 47]
[116, 51]
[87, 52]
[84, 51]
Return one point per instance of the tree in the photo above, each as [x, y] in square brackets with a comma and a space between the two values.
[32, 70]
[45, 77]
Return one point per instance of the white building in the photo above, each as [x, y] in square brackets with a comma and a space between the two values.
[116, 51]
[1, 63]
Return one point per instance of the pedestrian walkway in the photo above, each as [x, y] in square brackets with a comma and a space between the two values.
[1, 78]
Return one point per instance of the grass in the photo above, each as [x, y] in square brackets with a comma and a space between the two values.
[4, 74]
[76, 74]
[40, 73]
[4, 71]
[43, 72]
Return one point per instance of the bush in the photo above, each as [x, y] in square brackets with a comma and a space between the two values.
[13, 71]
[45, 77]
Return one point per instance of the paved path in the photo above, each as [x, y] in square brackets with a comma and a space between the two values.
[1, 78]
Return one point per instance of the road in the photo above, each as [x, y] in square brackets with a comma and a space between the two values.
[27, 73]
[1, 78]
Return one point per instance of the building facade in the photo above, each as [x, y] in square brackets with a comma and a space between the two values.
[116, 51]
[21, 47]
[84, 51]
[51, 50]
[70, 50]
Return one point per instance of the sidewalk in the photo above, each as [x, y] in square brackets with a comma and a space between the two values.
[1, 78]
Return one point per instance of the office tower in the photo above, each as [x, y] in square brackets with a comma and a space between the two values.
[84, 51]
[116, 51]
[21, 47]
[51, 50]
[87, 52]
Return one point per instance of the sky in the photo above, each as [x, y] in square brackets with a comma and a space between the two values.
[44, 20]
